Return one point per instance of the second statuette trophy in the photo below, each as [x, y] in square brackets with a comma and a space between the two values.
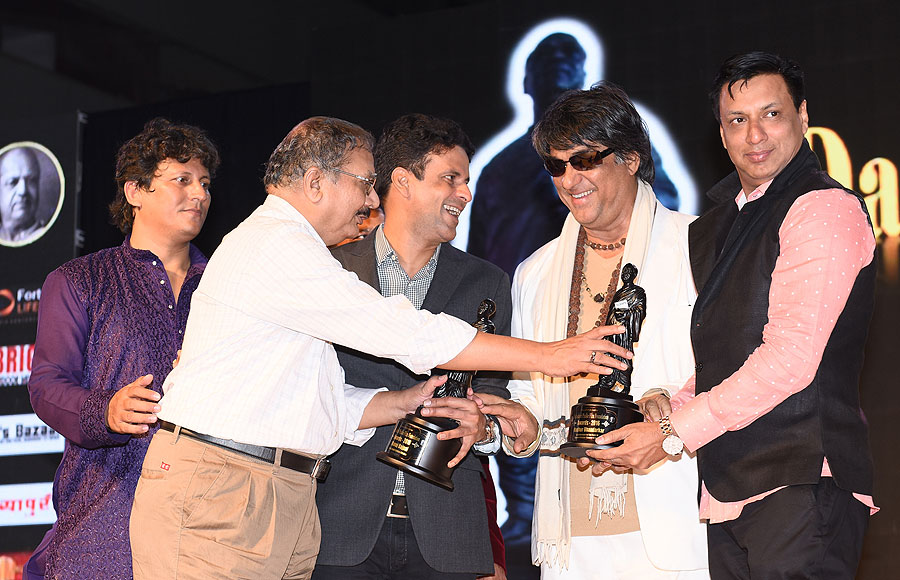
[608, 404]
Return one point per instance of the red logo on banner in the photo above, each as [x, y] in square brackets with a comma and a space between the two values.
[7, 298]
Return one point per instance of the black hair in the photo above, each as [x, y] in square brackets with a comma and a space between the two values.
[409, 140]
[139, 158]
[740, 68]
[601, 115]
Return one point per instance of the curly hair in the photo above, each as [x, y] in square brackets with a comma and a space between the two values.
[139, 158]
[601, 115]
[408, 141]
[323, 142]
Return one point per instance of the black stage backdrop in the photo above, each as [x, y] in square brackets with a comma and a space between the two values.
[245, 126]
[456, 63]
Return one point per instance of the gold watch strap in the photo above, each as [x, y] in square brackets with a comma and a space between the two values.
[666, 426]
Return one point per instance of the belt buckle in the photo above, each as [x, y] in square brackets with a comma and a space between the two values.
[399, 509]
[320, 469]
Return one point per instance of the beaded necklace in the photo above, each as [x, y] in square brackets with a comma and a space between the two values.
[614, 246]
[579, 280]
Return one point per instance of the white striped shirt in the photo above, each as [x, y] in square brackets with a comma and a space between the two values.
[257, 364]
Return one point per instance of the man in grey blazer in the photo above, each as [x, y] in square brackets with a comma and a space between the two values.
[374, 524]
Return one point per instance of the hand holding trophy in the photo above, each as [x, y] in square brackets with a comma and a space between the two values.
[608, 404]
[414, 447]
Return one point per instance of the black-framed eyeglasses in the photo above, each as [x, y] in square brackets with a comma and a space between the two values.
[370, 181]
[580, 162]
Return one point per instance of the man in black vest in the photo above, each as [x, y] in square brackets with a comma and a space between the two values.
[784, 267]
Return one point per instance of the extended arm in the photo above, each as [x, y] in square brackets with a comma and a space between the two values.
[319, 298]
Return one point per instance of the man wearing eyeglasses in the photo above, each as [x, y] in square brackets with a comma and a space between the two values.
[640, 524]
[258, 399]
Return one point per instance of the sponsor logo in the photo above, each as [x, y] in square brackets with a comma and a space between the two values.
[15, 364]
[19, 305]
[26, 504]
[28, 435]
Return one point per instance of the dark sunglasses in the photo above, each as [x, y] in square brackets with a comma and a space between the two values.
[580, 162]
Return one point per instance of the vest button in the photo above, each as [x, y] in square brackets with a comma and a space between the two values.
[698, 367]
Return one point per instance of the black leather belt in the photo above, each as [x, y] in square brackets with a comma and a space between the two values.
[398, 507]
[317, 468]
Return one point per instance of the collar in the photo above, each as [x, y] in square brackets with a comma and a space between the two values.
[384, 251]
[741, 199]
[803, 161]
[196, 256]
[287, 211]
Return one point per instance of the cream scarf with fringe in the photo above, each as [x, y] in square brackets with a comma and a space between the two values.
[551, 538]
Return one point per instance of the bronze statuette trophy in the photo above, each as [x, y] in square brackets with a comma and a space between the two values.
[607, 405]
[414, 447]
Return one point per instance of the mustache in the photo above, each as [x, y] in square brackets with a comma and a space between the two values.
[364, 213]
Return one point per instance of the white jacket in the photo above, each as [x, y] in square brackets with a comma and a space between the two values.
[666, 494]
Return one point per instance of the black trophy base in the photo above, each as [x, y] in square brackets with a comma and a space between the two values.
[602, 410]
[415, 449]
[577, 450]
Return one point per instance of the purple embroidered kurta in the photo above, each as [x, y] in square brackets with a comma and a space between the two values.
[105, 319]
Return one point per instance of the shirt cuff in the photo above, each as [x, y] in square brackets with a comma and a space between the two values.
[657, 391]
[93, 421]
[356, 400]
[528, 451]
[695, 423]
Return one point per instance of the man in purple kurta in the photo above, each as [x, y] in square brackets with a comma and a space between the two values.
[109, 326]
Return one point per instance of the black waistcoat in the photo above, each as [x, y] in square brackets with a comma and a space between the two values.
[733, 255]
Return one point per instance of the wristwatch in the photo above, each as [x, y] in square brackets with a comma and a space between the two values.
[672, 444]
[490, 443]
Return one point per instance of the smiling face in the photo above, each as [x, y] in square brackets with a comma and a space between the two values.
[19, 178]
[601, 198]
[440, 196]
[175, 204]
[760, 128]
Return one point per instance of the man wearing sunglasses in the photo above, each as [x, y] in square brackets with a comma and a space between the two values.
[641, 524]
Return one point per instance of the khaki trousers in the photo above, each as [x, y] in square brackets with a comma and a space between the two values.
[201, 511]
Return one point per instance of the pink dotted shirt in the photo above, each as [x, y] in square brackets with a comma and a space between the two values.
[825, 241]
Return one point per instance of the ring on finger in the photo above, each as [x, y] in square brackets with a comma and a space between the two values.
[593, 355]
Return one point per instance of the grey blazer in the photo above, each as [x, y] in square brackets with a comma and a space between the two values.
[450, 527]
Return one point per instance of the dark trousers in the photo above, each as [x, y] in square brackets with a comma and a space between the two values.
[801, 531]
[395, 556]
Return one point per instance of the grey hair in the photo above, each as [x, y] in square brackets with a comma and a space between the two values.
[323, 142]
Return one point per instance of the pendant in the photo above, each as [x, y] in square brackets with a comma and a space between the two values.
[599, 298]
